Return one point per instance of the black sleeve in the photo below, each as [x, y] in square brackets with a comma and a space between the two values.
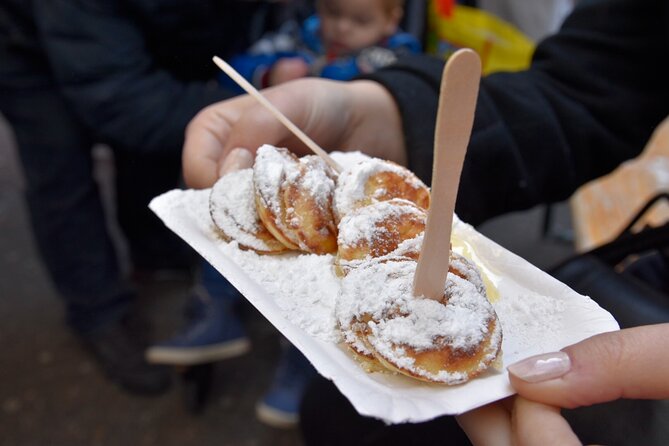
[100, 59]
[591, 99]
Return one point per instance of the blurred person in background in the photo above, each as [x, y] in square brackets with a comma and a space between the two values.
[345, 38]
[129, 74]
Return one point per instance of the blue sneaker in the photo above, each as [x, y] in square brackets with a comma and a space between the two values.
[214, 333]
[280, 407]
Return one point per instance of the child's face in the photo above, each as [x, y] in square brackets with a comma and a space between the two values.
[351, 25]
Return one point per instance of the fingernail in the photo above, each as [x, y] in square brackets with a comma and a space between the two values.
[237, 159]
[541, 367]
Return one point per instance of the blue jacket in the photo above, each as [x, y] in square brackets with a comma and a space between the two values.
[305, 42]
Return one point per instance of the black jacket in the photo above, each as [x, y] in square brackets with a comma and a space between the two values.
[591, 99]
[23, 61]
[135, 71]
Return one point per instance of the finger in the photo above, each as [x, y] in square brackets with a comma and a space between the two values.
[288, 69]
[375, 123]
[203, 146]
[489, 425]
[539, 424]
[258, 126]
[298, 101]
[631, 363]
[321, 108]
[206, 138]
[238, 158]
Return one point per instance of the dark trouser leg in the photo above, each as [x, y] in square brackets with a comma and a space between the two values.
[139, 178]
[65, 208]
[216, 285]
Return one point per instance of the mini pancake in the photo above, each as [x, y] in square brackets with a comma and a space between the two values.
[375, 180]
[294, 199]
[447, 341]
[376, 230]
[233, 212]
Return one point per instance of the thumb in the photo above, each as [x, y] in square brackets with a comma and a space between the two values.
[238, 158]
[632, 363]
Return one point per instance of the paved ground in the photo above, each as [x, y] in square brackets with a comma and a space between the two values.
[50, 393]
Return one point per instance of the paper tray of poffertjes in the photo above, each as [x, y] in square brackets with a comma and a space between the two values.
[410, 312]
[337, 283]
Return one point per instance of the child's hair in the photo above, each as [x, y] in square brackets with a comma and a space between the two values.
[389, 6]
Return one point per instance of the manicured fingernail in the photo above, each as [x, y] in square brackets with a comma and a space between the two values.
[541, 367]
[237, 159]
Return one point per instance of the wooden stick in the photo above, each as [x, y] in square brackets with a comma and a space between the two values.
[455, 118]
[250, 89]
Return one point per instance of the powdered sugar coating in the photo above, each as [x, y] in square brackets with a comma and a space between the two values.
[410, 248]
[352, 184]
[363, 224]
[317, 180]
[468, 271]
[272, 168]
[233, 211]
[381, 293]
[294, 198]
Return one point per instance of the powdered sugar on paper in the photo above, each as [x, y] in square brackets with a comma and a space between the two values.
[527, 315]
[303, 286]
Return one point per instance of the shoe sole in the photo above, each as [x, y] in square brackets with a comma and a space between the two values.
[197, 355]
[276, 418]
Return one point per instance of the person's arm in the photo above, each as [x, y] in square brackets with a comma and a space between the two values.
[591, 99]
[101, 60]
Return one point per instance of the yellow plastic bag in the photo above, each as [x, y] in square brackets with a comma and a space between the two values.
[501, 46]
